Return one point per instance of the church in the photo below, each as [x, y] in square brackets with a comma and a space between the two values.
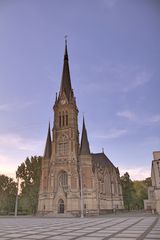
[75, 181]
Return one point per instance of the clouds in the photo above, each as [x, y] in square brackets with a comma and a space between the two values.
[14, 149]
[10, 107]
[113, 134]
[137, 173]
[14, 141]
[155, 119]
[127, 114]
[118, 78]
[127, 78]
[139, 118]
[140, 77]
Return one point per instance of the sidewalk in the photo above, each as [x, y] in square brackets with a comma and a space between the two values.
[108, 227]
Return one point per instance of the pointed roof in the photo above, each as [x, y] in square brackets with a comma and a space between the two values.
[66, 81]
[84, 149]
[48, 147]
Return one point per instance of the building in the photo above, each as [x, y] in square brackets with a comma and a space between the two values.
[74, 180]
[153, 201]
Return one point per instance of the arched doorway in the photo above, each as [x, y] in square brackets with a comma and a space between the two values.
[60, 206]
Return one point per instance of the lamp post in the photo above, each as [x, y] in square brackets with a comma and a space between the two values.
[16, 204]
[82, 200]
[111, 186]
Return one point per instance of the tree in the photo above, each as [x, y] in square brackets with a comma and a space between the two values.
[127, 189]
[134, 192]
[140, 192]
[8, 191]
[29, 173]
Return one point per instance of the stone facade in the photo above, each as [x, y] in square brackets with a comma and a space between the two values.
[153, 201]
[74, 180]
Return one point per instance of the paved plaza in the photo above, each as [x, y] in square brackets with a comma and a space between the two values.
[108, 227]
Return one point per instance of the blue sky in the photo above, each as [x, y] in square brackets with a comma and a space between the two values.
[114, 54]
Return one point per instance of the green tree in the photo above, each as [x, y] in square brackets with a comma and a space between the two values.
[29, 173]
[8, 191]
[128, 190]
[134, 192]
[140, 193]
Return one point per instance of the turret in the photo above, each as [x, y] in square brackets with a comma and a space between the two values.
[84, 148]
[48, 146]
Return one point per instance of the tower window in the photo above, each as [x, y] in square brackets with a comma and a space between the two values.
[66, 119]
[63, 145]
[59, 119]
[63, 148]
[63, 121]
[63, 179]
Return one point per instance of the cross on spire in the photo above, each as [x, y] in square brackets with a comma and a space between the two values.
[65, 37]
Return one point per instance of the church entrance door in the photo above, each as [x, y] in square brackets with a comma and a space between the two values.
[61, 206]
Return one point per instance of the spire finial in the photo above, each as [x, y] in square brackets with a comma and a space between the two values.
[66, 52]
[65, 37]
[83, 117]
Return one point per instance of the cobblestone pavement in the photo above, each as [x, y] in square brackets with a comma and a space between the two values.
[113, 228]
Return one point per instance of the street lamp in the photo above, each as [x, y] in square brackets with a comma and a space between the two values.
[82, 200]
[16, 204]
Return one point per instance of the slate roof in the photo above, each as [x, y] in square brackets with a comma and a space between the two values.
[100, 159]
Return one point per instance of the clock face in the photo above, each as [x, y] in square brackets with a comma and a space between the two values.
[63, 101]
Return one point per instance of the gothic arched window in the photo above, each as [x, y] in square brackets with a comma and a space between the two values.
[63, 180]
[63, 120]
[66, 118]
[60, 119]
[63, 145]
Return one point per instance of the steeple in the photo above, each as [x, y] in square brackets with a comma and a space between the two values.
[66, 81]
[48, 147]
[84, 148]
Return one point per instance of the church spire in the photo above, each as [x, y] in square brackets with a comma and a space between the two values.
[66, 81]
[84, 149]
[48, 147]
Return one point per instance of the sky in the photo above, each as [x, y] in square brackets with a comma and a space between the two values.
[114, 57]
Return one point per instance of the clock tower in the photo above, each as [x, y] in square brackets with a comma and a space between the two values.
[63, 182]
